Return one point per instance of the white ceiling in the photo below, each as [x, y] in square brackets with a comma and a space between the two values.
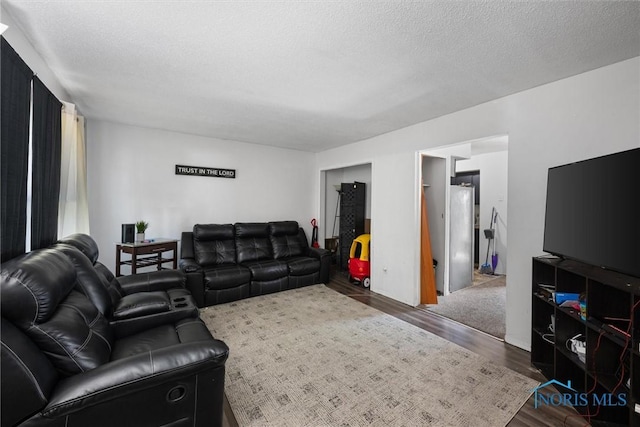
[313, 75]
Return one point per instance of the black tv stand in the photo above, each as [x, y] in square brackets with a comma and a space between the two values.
[611, 331]
[551, 257]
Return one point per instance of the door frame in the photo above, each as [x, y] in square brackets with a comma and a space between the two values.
[450, 152]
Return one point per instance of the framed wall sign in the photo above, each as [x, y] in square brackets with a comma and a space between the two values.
[205, 171]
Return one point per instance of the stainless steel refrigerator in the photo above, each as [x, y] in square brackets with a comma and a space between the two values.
[461, 237]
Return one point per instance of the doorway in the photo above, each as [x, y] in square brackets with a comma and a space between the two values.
[477, 170]
[334, 220]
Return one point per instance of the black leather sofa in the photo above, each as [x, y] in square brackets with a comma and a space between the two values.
[145, 299]
[63, 364]
[228, 262]
[172, 280]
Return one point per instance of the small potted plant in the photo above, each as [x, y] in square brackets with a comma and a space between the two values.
[141, 227]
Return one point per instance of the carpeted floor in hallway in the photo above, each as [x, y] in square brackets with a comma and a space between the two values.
[480, 306]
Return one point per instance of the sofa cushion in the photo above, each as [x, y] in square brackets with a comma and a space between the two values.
[187, 330]
[214, 244]
[300, 266]
[115, 290]
[85, 243]
[26, 295]
[283, 228]
[141, 304]
[267, 269]
[89, 247]
[37, 296]
[27, 375]
[89, 281]
[226, 276]
[285, 239]
[77, 338]
[252, 242]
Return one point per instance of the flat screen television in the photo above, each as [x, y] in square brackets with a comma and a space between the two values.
[593, 214]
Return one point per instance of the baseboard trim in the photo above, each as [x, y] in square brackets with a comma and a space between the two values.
[517, 343]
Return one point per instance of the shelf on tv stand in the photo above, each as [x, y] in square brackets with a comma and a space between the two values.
[608, 295]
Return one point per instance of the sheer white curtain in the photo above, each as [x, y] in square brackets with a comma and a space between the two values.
[73, 211]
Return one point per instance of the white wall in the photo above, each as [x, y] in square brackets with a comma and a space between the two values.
[493, 193]
[32, 58]
[131, 177]
[588, 115]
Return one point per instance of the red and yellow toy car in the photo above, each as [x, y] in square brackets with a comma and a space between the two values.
[359, 269]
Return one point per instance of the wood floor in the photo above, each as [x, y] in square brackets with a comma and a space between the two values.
[478, 342]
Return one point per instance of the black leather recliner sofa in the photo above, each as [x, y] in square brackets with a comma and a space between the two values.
[63, 365]
[228, 262]
[172, 281]
[147, 299]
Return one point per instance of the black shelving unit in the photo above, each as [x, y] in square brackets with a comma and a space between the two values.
[611, 330]
[352, 216]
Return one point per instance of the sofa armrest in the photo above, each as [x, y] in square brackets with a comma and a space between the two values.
[195, 286]
[325, 262]
[194, 277]
[186, 245]
[318, 253]
[134, 374]
[189, 265]
[152, 281]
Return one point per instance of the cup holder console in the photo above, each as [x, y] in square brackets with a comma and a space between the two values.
[181, 302]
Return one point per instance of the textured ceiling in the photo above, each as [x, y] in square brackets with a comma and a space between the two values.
[313, 75]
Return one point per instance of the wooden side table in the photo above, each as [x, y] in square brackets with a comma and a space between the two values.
[154, 251]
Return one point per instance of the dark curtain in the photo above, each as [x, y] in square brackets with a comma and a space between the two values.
[15, 84]
[45, 165]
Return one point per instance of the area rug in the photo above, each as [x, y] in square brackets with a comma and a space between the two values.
[480, 306]
[314, 357]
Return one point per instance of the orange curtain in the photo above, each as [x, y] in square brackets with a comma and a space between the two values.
[428, 294]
